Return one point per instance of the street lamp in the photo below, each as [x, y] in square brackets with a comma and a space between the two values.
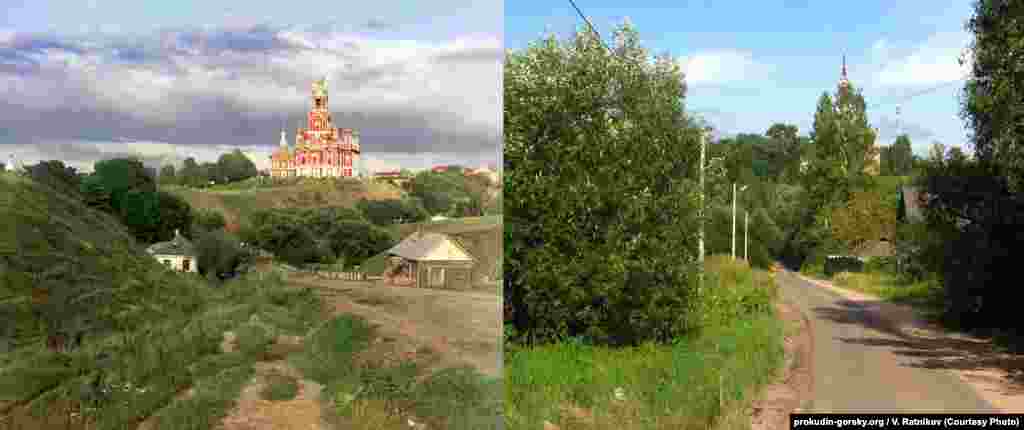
[746, 231]
[734, 192]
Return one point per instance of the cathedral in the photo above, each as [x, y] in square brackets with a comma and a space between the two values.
[321, 150]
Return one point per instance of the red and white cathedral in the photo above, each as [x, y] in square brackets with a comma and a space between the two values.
[321, 150]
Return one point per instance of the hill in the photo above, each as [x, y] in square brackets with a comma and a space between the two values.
[94, 328]
[237, 201]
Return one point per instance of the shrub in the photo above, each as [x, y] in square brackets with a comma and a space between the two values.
[595, 245]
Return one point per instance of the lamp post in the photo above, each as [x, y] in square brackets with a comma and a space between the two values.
[703, 149]
[734, 192]
[746, 231]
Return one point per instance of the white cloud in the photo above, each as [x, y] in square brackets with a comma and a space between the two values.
[932, 62]
[718, 67]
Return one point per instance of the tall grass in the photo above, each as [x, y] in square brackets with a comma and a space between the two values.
[735, 348]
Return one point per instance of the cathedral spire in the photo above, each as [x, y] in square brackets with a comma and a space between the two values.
[843, 81]
[284, 141]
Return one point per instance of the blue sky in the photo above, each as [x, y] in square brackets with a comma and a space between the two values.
[87, 79]
[752, 63]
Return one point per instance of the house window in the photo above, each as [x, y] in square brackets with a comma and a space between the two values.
[436, 276]
[186, 265]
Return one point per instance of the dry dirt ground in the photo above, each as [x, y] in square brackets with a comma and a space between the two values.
[459, 327]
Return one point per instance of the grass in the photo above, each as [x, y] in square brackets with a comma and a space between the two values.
[364, 396]
[699, 382]
[280, 387]
[926, 295]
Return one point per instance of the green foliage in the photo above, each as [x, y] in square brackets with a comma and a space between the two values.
[991, 106]
[439, 192]
[219, 253]
[680, 386]
[279, 387]
[602, 234]
[328, 352]
[900, 157]
[207, 220]
[301, 236]
[54, 174]
[121, 175]
[391, 211]
[235, 166]
[461, 396]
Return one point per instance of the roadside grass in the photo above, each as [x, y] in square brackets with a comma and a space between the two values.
[926, 296]
[363, 396]
[702, 381]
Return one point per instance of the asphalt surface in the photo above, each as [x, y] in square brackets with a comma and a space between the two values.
[860, 365]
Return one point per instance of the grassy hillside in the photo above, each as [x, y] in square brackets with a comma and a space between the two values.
[149, 333]
[238, 201]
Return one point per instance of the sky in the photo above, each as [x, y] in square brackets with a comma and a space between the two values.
[749, 64]
[85, 80]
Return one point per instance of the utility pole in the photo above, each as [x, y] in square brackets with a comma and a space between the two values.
[703, 149]
[746, 231]
[734, 218]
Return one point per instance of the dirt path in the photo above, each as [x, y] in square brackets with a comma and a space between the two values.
[771, 409]
[862, 344]
[459, 327]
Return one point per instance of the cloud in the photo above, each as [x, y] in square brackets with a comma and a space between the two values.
[722, 67]
[932, 62]
[236, 87]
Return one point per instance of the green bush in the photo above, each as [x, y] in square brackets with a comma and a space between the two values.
[280, 387]
[595, 245]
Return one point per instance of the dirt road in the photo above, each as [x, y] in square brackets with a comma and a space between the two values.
[460, 327]
[864, 362]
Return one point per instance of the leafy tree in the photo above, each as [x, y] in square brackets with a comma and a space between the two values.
[602, 210]
[787, 139]
[53, 173]
[167, 174]
[901, 156]
[122, 175]
[439, 192]
[190, 173]
[95, 194]
[235, 166]
[868, 216]
[140, 213]
[391, 211]
[355, 241]
[175, 214]
[992, 104]
[219, 253]
[208, 220]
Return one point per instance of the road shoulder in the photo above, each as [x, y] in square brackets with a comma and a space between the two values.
[977, 362]
[771, 409]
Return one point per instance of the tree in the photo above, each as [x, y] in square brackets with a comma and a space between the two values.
[901, 156]
[600, 161]
[190, 174]
[355, 241]
[786, 137]
[167, 174]
[391, 211]
[439, 192]
[208, 220]
[868, 216]
[53, 173]
[175, 214]
[219, 253]
[235, 166]
[121, 175]
[992, 104]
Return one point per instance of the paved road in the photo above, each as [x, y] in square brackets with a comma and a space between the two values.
[860, 365]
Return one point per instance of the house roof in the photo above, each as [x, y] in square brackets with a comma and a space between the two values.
[911, 202]
[178, 246]
[430, 247]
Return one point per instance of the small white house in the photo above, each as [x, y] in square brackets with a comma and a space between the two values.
[177, 254]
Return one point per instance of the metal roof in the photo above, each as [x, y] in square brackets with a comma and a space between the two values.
[430, 247]
[178, 246]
